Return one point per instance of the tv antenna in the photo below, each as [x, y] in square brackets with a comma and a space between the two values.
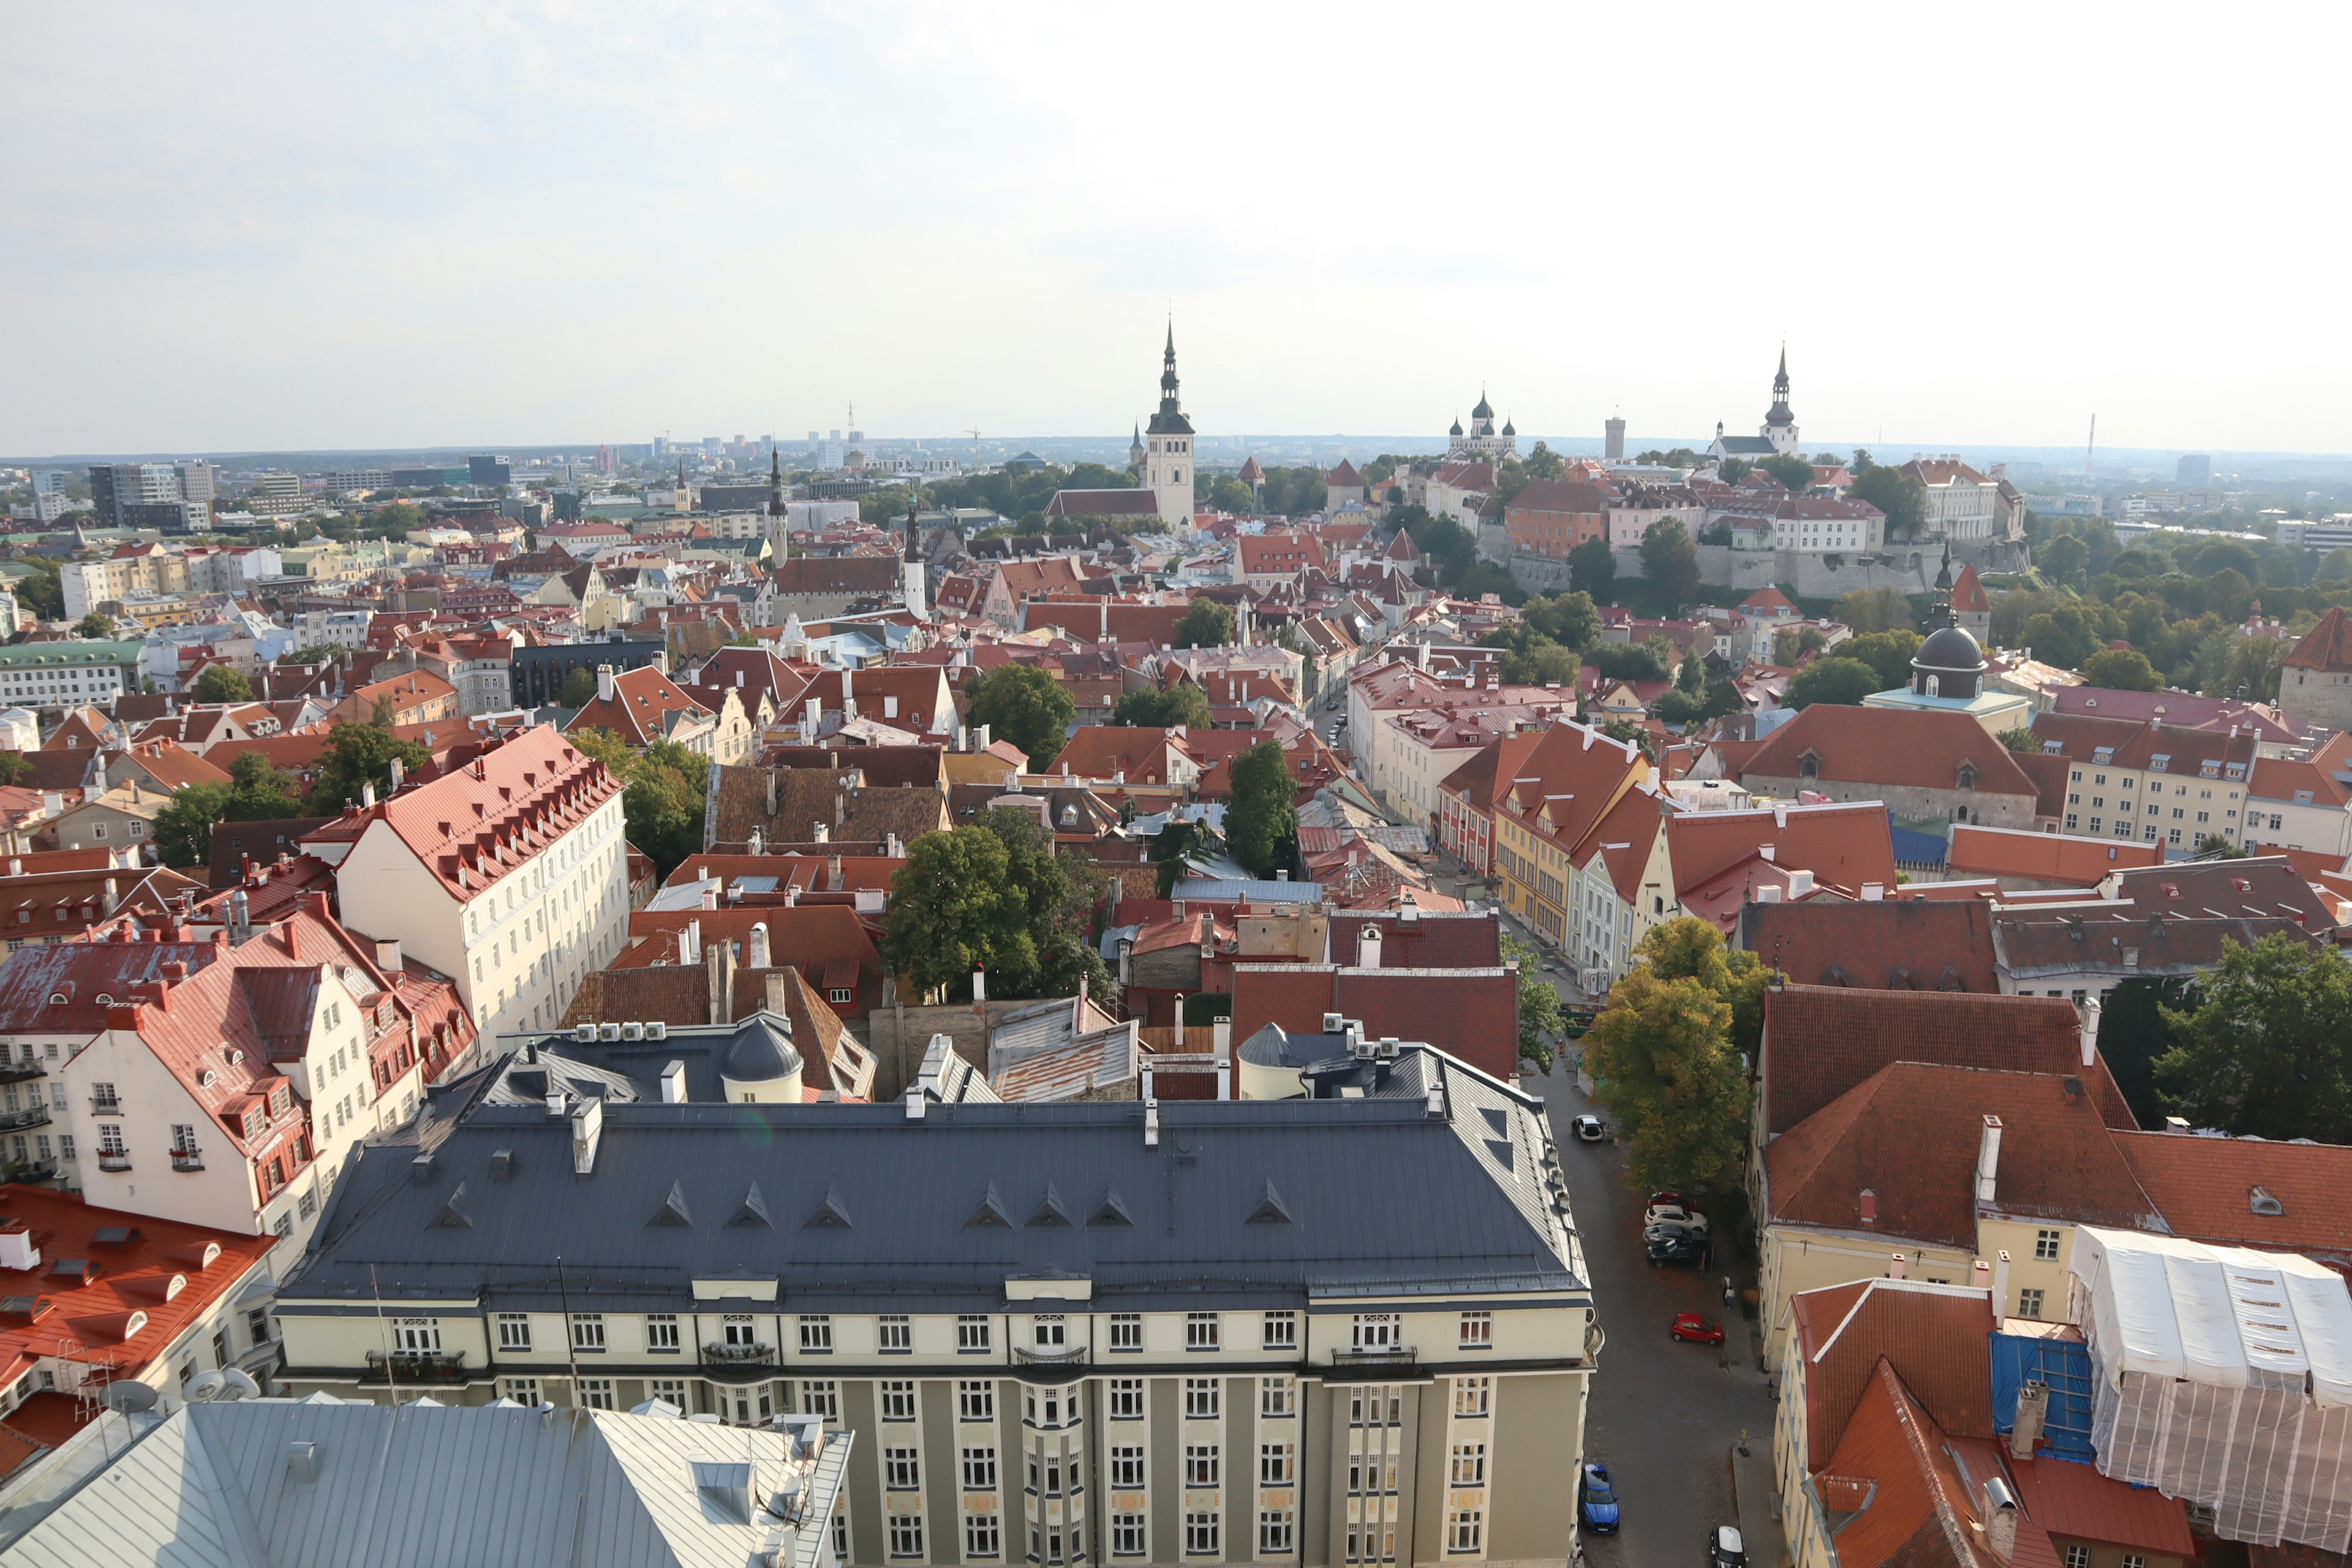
[2091, 449]
[973, 432]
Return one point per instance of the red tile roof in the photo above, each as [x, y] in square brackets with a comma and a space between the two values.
[2325, 647]
[1968, 596]
[2203, 1187]
[1910, 1135]
[1906, 944]
[1901, 747]
[1820, 1042]
[1472, 1014]
[2043, 856]
[1935, 1336]
[642, 700]
[1847, 846]
[1913, 1509]
[2075, 1503]
[1428, 942]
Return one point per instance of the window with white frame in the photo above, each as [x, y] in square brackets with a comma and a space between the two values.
[980, 1469]
[588, 1331]
[1477, 1330]
[971, 1331]
[672, 1389]
[982, 1537]
[906, 1535]
[1274, 1531]
[816, 1334]
[1465, 1529]
[416, 1336]
[1126, 1533]
[1280, 1332]
[1049, 1331]
[2029, 1303]
[2045, 1246]
[514, 1330]
[821, 1396]
[902, 1470]
[1127, 1466]
[737, 1329]
[661, 1331]
[2078, 1556]
[1469, 1464]
[1375, 1332]
[1202, 1398]
[897, 1335]
[898, 1399]
[1200, 1534]
[1125, 1398]
[1200, 1330]
[975, 1401]
[1274, 1465]
[597, 1393]
[1199, 1464]
[522, 1390]
[1277, 1396]
[1127, 1330]
[1471, 1395]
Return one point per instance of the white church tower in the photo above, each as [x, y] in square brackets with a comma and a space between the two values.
[1168, 449]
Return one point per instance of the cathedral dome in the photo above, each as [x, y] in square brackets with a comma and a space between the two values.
[1482, 411]
[1457, 428]
[1950, 663]
[1508, 429]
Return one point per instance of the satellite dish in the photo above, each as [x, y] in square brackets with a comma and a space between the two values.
[129, 1397]
[206, 1388]
[240, 1384]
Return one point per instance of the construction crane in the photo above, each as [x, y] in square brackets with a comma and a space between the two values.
[973, 432]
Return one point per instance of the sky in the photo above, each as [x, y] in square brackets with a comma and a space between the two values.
[242, 226]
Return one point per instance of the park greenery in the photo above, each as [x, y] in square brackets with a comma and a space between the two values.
[1183, 704]
[2262, 1045]
[1540, 1012]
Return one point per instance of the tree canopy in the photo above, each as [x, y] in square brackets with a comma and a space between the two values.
[2266, 1051]
[1898, 494]
[1843, 681]
[1023, 704]
[358, 755]
[1541, 1013]
[662, 803]
[1665, 1054]
[219, 683]
[992, 894]
[2121, 669]
[1181, 704]
[1592, 568]
[1261, 815]
[1669, 559]
[1207, 624]
[255, 792]
[1793, 473]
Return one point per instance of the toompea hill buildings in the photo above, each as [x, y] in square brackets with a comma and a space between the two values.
[1320, 1331]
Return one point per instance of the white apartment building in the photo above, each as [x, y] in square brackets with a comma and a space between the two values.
[1823, 525]
[46, 675]
[511, 876]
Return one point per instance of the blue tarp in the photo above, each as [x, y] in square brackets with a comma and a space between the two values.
[2065, 1366]
[1915, 848]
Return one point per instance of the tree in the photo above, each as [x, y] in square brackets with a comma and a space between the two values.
[1669, 559]
[1229, 494]
[95, 627]
[1570, 619]
[578, 688]
[2267, 1051]
[1627, 732]
[1664, 1054]
[2066, 560]
[1691, 679]
[183, 829]
[1793, 473]
[2254, 670]
[2020, 740]
[1788, 647]
[1207, 624]
[1541, 1013]
[1543, 463]
[2214, 846]
[993, 894]
[13, 767]
[2121, 669]
[219, 683]
[1632, 660]
[664, 789]
[1261, 815]
[1843, 681]
[1731, 470]
[1174, 845]
[1898, 494]
[1539, 662]
[358, 755]
[2335, 566]
[1887, 653]
[1875, 610]
[1023, 704]
[1183, 703]
[40, 592]
[1594, 569]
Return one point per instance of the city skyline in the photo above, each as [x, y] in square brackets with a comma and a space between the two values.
[590, 220]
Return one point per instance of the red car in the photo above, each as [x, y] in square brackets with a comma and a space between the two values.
[1697, 1329]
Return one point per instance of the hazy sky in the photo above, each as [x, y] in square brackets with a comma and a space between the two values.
[236, 225]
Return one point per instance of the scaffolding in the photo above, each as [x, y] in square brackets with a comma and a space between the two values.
[2224, 1377]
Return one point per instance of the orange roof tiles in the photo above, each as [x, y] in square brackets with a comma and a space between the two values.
[2203, 1187]
[1888, 746]
[2079, 862]
[2326, 647]
[1935, 1335]
[1909, 944]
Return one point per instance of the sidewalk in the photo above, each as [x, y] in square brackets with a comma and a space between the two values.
[1757, 1499]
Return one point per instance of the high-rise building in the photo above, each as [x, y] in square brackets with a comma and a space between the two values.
[114, 486]
[199, 481]
[2196, 469]
[1614, 450]
[490, 469]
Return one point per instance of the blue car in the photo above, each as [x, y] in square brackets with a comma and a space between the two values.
[1596, 1500]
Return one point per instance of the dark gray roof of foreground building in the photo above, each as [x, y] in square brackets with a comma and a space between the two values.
[848, 1204]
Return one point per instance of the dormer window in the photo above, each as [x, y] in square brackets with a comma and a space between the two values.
[2208, 770]
[1965, 778]
[2053, 748]
[2103, 754]
[2160, 762]
[2234, 771]
[1809, 766]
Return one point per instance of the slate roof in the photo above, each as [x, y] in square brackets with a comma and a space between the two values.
[804, 797]
[907, 1189]
[856, 575]
[1895, 945]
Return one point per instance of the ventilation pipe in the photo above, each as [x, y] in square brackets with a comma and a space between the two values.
[759, 945]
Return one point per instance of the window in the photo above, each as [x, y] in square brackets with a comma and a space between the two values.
[256, 1325]
[971, 1333]
[1477, 1330]
[1200, 1330]
[672, 1389]
[902, 1470]
[1471, 1396]
[976, 1401]
[1199, 1535]
[906, 1535]
[2136, 1558]
[821, 1398]
[898, 1399]
[1127, 1330]
[981, 1537]
[1273, 1464]
[1277, 1396]
[897, 1335]
[587, 1330]
[1469, 1464]
[661, 1331]
[1274, 1531]
[1127, 1534]
[1376, 1332]
[1049, 1331]
[414, 1336]
[1464, 1529]
[980, 1469]
[1127, 1398]
[597, 1393]
[816, 1334]
[1281, 1332]
[1201, 1401]
[2078, 1556]
[1199, 1464]
[522, 1390]
[514, 1331]
[2045, 1246]
[736, 1328]
[2029, 1303]
[1127, 1466]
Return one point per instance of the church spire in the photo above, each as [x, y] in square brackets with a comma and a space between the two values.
[1781, 381]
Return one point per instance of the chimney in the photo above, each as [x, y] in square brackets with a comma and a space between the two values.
[2000, 1283]
[18, 1248]
[587, 1132]
[1895, 1266]
[2032, 1415]
[113, 896]
[1367, 946]
[1987, 1158]
[915, 1103]
[719, 960]
[1800, 884]
[776, 987]
[1151, 1124]
[2090, 1029]
[1180, 1020]
[387, 956]
[605, 685]
[367, 795]
[2000, 1519]
[1980, 1276]
[673, 1083]
[1869, 1206]
[2176, 1124]
[771, 792]
[978, 983]
[1873, 892]
[759, 949]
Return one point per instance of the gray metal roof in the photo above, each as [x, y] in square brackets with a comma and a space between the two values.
[1249, 890]
[1384, 1197]
[425, 1485]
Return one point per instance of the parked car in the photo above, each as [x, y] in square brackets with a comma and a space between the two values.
[1693, 1329]
[1590, 1129]
[1668, 1195]
[1596, 1498]
[1675, 1213]
[1725, 1549]
[1683, 1248]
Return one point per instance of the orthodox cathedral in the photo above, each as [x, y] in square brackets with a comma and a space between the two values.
[1484, 444]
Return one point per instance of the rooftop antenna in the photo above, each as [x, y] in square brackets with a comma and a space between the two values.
[974, 433]
[2091, 449]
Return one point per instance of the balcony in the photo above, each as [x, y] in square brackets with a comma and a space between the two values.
[1058, 1355]
[739, 1355]
[1384, 1355]
[107, 1162]
[107, 1106]
[414, 1367]
[187, 1159]
[29, 1171]
[18, 1072]
[17, 1121]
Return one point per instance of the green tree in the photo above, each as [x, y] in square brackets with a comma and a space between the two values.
[2267, 1050]
[183, 829]
[2335, 566]
[1793, 473]
[1023, 704]
[1627, 732]
[1887, 653]
[1543, 463]
[1664, 1057]
[1594, 569]
[2064, 635]
[2066, 560]
[1731, 470]
[1787, 647]
[1172, 847]
[2020, 740]
[2214, 846]
[1843, 681]
[1651, 658]
[1229, 494]
[2121, 669]
[1262, 814]
[993, 894]
[1669, 559]
[1207, 624]
[357, 755]
[1539, 662]
[1691, 679]
[1541, 1013]
[94, 626]
[1898, 494]
[1875, 610]
[219, 683]
[664, 790]
[578, 688]
[1183, 703]
[1570, 619]
[13, 768]
[40, 592]
[2254, 670]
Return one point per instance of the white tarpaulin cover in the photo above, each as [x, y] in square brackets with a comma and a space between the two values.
[2224, 1377]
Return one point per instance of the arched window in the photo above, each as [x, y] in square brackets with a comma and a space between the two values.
[1935, 685]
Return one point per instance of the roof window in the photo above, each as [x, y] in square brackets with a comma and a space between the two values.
[2160, 762]
[2208, 770]
[2053, 748]
[2103, 754]
[2262, 1200]
[2234, 770]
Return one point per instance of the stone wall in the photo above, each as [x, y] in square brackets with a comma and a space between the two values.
[1540, 573]
[1906, 568]
[1911, 803]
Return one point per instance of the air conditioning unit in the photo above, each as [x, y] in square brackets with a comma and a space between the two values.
[584, 1034]
[608, 1031]
[658, 1031]
[632, 1031]
[1387, 1045]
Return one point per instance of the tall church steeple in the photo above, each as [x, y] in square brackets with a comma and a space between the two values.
[1168, 447]
[1780, 425]
[780, 532]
